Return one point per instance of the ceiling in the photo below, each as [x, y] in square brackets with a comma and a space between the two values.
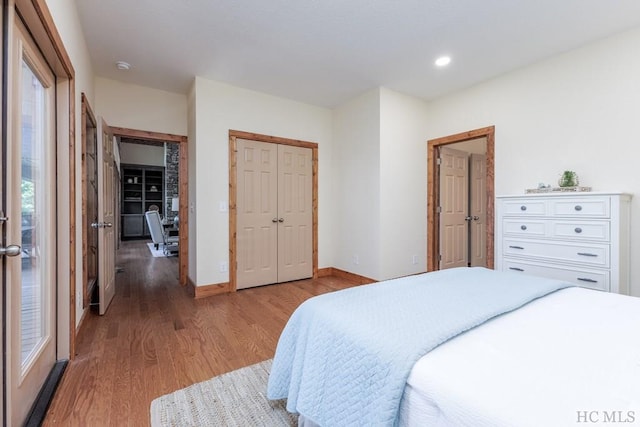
[324, 52]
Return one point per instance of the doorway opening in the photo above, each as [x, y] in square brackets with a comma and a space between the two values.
[435, 230]
[174, 204]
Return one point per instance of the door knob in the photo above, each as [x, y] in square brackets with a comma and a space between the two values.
[467, 218]
[11, 250]
[274, 220]
[281, 220]
[476, 217]
[101, 225]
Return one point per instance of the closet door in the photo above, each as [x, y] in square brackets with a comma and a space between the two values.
[257, 207]
[275, 218]
[295, 220]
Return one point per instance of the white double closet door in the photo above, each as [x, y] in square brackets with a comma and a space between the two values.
[275, 219]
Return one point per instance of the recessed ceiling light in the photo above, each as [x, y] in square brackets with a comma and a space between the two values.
[443, 61]
[124, 66]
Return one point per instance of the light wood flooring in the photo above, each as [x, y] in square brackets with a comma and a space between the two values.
[155, 339]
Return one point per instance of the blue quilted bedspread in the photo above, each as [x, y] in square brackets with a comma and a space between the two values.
[344, 357]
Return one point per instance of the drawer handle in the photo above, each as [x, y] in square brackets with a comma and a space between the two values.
[578, 208]
[516, 269]
[523, 208]
[587, 254]
[585, 279]
[516, 247]
[578, 230]
[523, 227]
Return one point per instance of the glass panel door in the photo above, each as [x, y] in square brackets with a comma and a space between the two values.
[31, 197]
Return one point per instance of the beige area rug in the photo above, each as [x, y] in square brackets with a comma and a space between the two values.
[237, 398]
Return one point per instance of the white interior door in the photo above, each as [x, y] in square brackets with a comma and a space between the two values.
[454, 200]
[478, 211]
[28, 267]
[295, 218]
[257, 213]
[106, 217]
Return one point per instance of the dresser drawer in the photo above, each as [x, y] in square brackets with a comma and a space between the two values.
[592, 279]
[581, 207]
[581, 230]
[594, 254]
[526, 207]
[525, 227]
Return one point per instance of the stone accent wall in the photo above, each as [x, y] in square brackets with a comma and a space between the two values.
[172, 166]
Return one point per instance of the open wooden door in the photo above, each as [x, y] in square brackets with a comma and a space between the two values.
[454, 200]
[106, 217]
[478, 211]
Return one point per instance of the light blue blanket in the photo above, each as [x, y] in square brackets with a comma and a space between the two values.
[344, 357]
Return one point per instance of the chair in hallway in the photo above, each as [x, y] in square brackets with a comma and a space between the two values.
[158, 235]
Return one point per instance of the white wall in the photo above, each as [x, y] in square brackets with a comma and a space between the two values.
[576, 111]
[380, 182]
[66, 20]
[218, 108]
[473, 146]
[403, 185]
[142, 108]
[356, 185]
[141, 154]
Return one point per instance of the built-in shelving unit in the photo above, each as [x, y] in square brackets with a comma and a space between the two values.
[142, 190]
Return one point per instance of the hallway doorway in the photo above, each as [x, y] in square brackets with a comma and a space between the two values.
[182, 199]
[436, 245]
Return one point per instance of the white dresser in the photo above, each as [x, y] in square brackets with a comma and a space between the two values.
[578, 237]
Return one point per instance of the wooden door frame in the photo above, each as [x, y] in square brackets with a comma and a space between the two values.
[183, 188]
[233, 196]
[433, 228]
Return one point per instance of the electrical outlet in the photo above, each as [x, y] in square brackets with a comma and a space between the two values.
[224, 266]
[356, 259]
[414, 259]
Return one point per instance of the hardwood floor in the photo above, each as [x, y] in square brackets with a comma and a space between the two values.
[155, 339]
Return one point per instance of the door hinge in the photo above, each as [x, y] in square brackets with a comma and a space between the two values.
[438, 160]
[439, 209]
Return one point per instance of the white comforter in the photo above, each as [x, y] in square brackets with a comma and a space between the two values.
[570, 358]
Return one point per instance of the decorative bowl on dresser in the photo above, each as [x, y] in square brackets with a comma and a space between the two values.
[578, 237]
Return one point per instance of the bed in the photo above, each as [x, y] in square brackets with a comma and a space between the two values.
[560, 355]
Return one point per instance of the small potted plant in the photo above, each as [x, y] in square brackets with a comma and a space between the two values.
[568, 179]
